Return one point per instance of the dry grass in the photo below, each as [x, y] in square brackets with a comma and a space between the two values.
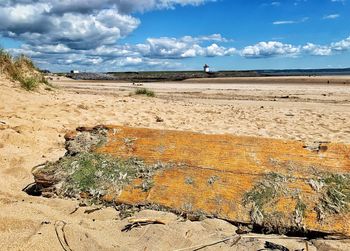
[145, 91]
[90, 176]
[263, 199]
[21, 69]
[335, 194]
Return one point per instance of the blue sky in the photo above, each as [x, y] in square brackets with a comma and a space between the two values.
[124, 35]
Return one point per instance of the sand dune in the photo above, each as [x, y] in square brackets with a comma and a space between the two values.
[32, 125]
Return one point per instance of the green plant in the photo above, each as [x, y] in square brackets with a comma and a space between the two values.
[23, 61]
[6, 62]
[335, 194]
[95, 174]
[29, 84]
[145, 91]
[265, 192]
[4, 56]
[21, 69]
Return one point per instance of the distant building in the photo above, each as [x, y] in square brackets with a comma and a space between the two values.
[74, 71]
[45, 71]
[206, 68]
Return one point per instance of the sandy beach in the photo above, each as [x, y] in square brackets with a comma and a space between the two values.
[33, 124]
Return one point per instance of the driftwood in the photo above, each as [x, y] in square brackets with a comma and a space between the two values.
[272, 246]
[279, 185]
[141, 222]
[90, 211]
[74, 210]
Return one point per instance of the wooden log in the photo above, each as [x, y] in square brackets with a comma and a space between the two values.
[277, 184]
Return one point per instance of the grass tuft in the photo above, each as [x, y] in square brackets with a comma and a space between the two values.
[145, 91]
[335, 194]
[263, 193]
[95, 175]
[22, 70]
[269, 188]
[29, 84]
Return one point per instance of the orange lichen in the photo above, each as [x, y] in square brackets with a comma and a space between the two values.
[213, 173]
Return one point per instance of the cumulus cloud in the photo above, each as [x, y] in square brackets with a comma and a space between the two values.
[72, 33]
[270, 49]
[75, 23]
[124, 6]
[342, 45]
[37, 24]
[317, 50]
[165, 52]
[215, 50]
[123, 56]
[129, 6]
[326, 50]
[185, 47]
[274, 49]
[88, 31]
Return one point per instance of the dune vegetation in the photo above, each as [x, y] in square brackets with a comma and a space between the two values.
[21, 69]
[145, 91]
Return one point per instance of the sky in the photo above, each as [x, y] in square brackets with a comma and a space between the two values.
[153, 35]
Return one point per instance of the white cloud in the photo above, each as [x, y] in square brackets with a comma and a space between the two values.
[184, 47]
[275, 3]
[332, 16]
[130, 61]
[270, 49]
[317, 50]
[167, 50]
[284, 22]
[215, 50]
[212, 38]
[273, 49]
[280, 22]
[71, 33]
[86, 32]
[152, 52]
[130, 6]
[75, 23]
[35, 24]
[342, 45]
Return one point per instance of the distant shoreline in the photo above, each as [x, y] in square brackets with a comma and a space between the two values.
[296, 80]
[171, 76]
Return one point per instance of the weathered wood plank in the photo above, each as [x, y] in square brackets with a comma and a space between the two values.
[273, 183]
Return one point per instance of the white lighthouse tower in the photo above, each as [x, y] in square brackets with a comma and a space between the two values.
[206, 68]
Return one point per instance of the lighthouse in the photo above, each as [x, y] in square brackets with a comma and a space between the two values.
[206, 68]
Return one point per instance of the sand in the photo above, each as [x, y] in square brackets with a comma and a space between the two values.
[32, 126]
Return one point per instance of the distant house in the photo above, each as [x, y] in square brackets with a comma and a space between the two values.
[74, 71]
[206, 68]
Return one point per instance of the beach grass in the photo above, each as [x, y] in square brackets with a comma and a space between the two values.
[21, 69]
[145, 91]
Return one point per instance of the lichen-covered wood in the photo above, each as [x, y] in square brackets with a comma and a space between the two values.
[278, 185]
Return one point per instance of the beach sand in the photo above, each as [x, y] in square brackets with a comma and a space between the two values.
[32, 126]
